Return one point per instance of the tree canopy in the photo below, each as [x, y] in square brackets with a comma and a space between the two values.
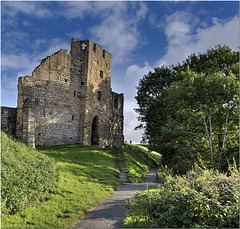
[190, 111]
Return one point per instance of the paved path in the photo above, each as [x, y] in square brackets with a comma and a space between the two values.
[111, 211]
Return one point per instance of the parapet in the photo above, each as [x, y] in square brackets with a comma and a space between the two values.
[90, 46]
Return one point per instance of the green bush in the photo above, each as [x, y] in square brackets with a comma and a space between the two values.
[163, 173]
[26, 175]
[201, 198]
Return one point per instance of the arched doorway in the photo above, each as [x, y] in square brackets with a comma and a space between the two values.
[95, 132]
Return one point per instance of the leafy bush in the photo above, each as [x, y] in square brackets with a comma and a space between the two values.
[26, 175]
[138, 160]
[163, 173]
[201, 198]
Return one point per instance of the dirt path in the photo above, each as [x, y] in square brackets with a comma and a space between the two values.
[111, 211]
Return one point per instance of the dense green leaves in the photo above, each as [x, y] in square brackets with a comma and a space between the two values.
[200, 199]
[26, 175]
[190, 111]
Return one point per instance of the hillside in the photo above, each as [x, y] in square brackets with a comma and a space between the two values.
[86, 175]
[26, 175]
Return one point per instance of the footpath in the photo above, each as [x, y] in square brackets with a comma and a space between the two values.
[111, 211]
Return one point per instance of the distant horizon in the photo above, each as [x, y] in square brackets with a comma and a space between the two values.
[139, 35]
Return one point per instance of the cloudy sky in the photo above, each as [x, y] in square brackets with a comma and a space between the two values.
[139, 35]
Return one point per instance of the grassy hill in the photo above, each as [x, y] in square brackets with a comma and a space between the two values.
[85, 176]
[26, 175]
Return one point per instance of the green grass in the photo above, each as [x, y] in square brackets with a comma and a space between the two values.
[26, 175]
[138, 160]
[85, 176]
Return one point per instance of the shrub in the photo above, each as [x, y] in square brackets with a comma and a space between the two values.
[26, 175]
[201, 198]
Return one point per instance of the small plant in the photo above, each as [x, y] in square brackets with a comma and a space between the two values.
[163, 173]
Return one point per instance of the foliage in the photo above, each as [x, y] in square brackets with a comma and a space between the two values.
[201, 198]
[190, 110]
[163, 173]
[26, 175]
[138, 160]
[87, 175]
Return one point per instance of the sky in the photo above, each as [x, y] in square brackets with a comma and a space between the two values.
[140, 36]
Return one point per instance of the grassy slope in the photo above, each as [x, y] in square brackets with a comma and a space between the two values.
[138, 160]
[87, 175]
[26, 175]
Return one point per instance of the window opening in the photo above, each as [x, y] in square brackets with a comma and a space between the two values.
[66, 80]
[81, 61]
[95, 132]
[116, 103]
[72, 117]
[82, 83]
[74, 94]
[99, 95]
[103, 54]
[101, 74]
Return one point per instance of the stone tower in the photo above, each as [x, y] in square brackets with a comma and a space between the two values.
[68, 99]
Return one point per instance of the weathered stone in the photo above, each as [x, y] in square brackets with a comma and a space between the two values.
[68, 99]
[8, 120]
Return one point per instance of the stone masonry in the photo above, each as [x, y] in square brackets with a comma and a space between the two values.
[68, 100]
[8, 120]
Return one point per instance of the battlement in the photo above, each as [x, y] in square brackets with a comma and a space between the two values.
[90, 47]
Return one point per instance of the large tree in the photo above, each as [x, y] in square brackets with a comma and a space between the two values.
[189, 111]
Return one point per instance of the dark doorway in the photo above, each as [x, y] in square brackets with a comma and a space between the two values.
[95, 132]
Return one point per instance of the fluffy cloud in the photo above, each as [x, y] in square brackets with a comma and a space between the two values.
[185, 36]
[131, 79]
[35, 9]
[118, 31]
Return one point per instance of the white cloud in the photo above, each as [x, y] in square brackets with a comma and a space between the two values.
[185, 36]
[79, 9]
[35, 9]
[118, 31]
[133, 74]
[130, 122]
[131, 79]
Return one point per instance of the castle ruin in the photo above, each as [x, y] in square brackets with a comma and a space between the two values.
[69, 100]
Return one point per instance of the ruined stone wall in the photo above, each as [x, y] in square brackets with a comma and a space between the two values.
[68, 99]
[116, 128]
[46, 107]
[8, 120]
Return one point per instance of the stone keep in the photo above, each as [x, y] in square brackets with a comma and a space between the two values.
[68, 100]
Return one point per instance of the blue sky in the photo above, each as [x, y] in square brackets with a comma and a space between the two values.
[139, 35]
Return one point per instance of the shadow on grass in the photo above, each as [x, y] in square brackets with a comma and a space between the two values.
[97, 164]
